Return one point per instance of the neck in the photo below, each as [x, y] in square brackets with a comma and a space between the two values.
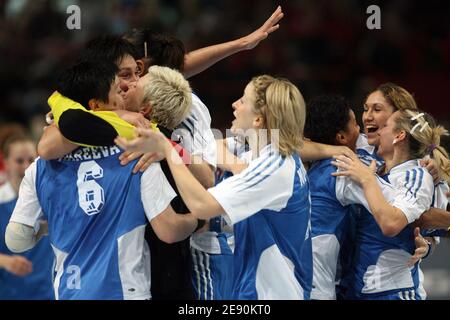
[256, 144]
[397, 158]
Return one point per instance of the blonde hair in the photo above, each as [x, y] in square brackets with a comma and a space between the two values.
[399, 98]
[424, 138]
[282, 107]
[170, 96]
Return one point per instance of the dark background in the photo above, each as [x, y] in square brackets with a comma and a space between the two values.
[322, 46]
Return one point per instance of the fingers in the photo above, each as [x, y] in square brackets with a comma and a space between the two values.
[145, 162]
[373, 166]
[144, 132]
[130, 156]
[417, 232]
[21, 266]
[276, 16]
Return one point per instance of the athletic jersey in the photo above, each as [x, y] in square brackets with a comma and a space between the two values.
[380, 264]
[219, 239]
[38, 284]
[330, 227]
[97, 211]
[366, 152]
[195, 134]
[269, 206]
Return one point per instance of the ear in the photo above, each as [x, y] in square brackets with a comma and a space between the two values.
[146, 109]
[141, 67]
[341, 139]
[94, 104]
[401, 135]
[259, 122]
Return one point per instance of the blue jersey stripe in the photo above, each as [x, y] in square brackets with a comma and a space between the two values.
[265, 176]
[268, 159]
[420, 182]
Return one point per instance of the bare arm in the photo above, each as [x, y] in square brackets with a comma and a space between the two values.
[312, 151]
[434, 219]
[228, 161]
[390, 219]
[201, 59]
[202, 171]
[171, 227]
[201, 203]
[53, 145]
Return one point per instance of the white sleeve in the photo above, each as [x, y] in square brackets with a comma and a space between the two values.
[350, 192]
[196, 134]
[440, 196]
[156, 192]
[264, 184]
[28, 209]
[416, 196]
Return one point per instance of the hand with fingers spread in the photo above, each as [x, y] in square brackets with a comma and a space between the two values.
[422, 248]
[350, 166]
[252, 40]
[146, 159]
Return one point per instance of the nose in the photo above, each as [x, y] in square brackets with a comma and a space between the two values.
[124, 86]
[234, 105]
[368, 115]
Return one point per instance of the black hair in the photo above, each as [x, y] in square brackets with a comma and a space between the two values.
[325, 116]
[110, 48]
[161, 50]
[87, 80]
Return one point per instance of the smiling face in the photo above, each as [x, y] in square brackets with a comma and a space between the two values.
[376, 112]
[386, 135]
[245, 116]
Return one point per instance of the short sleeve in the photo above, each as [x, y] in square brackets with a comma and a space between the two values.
[28, 209]
[156, 192]
[265, 184]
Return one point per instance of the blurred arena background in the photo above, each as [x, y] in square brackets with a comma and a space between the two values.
[322, 46]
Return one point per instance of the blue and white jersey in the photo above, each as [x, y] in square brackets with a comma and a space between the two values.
[97, 211]
[195, 134]
[366, 153]
[330, 228]
[269, 206]
[38, 284]
[381, 261]
[219, 239]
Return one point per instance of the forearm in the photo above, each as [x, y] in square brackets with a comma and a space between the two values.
[203, 172]
[313, 151]
[434, 219]
[199, 60]
[228, 161]
[391, 220]
[199, 201]
[53, 145]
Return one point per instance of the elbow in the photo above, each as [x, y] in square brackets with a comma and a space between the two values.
[390, 228]
[18, 238]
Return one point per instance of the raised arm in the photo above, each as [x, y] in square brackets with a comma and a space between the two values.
[199, 60]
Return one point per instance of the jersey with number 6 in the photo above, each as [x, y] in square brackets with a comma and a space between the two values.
[97, 211]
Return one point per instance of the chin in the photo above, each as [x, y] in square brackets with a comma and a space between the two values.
[375, 142]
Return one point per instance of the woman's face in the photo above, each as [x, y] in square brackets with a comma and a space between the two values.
[386, 136]
[376, 112]
[244, 113]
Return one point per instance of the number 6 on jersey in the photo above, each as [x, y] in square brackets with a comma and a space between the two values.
[91, 196]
